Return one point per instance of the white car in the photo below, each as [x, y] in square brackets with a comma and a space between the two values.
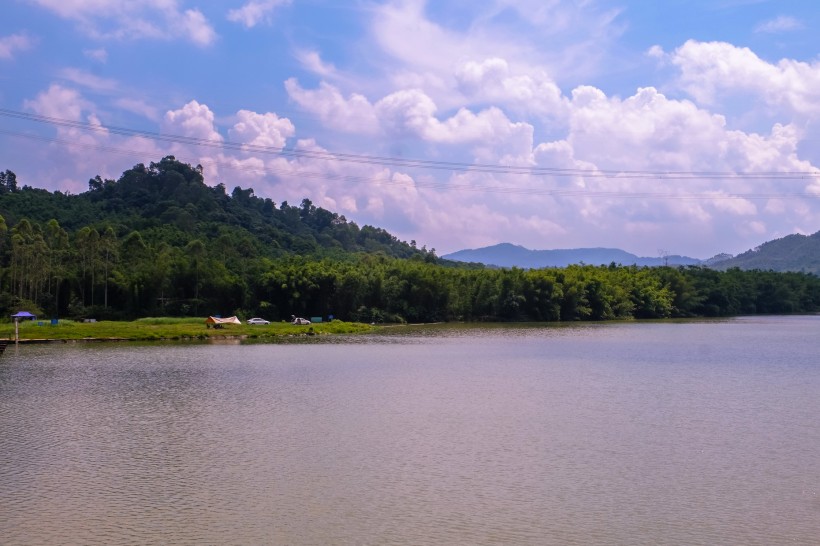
[300, 321]
[258, 321]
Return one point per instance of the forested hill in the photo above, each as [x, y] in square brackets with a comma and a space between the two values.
[791, 253]
[159, 242]
[168, 202]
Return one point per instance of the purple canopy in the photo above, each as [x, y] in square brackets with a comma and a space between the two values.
[24, 314]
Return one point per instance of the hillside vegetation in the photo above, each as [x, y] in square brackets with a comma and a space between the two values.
[160, 242]
[791, 253]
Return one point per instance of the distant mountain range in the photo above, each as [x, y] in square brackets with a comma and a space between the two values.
[796, 252]
[509, 255]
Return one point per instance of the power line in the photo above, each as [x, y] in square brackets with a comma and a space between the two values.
[397, 162]
[454, 186]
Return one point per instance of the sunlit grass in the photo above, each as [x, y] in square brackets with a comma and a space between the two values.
[168, 328]
[170, 320]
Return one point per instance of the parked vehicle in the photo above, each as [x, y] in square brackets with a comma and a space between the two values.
[257, 320]
[299, 321]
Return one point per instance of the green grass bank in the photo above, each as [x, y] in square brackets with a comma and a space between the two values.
[148, 329]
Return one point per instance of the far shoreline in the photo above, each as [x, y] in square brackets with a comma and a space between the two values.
[168, 329]
[194, 330]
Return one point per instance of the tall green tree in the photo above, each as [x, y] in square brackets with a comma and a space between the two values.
[109, 256]
[87, 245]
[8, 182]
[59, 254]
[30, 258]
[196, 252]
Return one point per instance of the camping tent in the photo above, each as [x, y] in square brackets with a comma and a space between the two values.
[218, 321]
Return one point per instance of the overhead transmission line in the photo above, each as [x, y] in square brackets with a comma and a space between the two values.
[472, 187]
[410, 163]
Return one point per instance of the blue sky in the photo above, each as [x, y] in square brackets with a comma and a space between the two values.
[684, 127]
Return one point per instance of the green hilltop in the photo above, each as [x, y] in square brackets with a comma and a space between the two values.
[169, 202]
[795, 252]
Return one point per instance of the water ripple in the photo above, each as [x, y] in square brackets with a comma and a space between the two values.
[625, 434]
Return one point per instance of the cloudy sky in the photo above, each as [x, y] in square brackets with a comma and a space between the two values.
[683, 126]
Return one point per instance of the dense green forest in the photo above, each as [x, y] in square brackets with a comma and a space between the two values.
[794, 252]
[159, 241]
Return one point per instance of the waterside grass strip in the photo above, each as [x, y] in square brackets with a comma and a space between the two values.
[169, 329]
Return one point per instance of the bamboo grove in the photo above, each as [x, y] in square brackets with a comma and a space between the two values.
[158, 241]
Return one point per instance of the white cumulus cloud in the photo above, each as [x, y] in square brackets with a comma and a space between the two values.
[264, 130]
[412, 113]
[60, 102]
[493, 81]
[197, 27]
[352, 114]
[709, 69]
[194, 120]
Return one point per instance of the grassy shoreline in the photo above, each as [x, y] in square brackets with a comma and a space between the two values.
[159, 329]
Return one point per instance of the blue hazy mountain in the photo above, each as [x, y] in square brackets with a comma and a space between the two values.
[509, 255]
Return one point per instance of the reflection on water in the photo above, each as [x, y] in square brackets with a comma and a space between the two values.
[630, 433]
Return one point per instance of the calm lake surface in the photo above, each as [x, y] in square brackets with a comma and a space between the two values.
[630, 433]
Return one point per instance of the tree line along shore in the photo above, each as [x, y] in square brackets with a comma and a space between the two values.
[159, 242]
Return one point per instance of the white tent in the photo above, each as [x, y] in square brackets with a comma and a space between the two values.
[218, 320]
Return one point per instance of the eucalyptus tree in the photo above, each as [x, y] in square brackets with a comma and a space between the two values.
[87, 245]
[196, 252]
[109, 254]
[136, 261]
[59, 254]
[29, 262]
[4, 229]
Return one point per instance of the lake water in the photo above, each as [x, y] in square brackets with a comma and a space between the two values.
[623, 433]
